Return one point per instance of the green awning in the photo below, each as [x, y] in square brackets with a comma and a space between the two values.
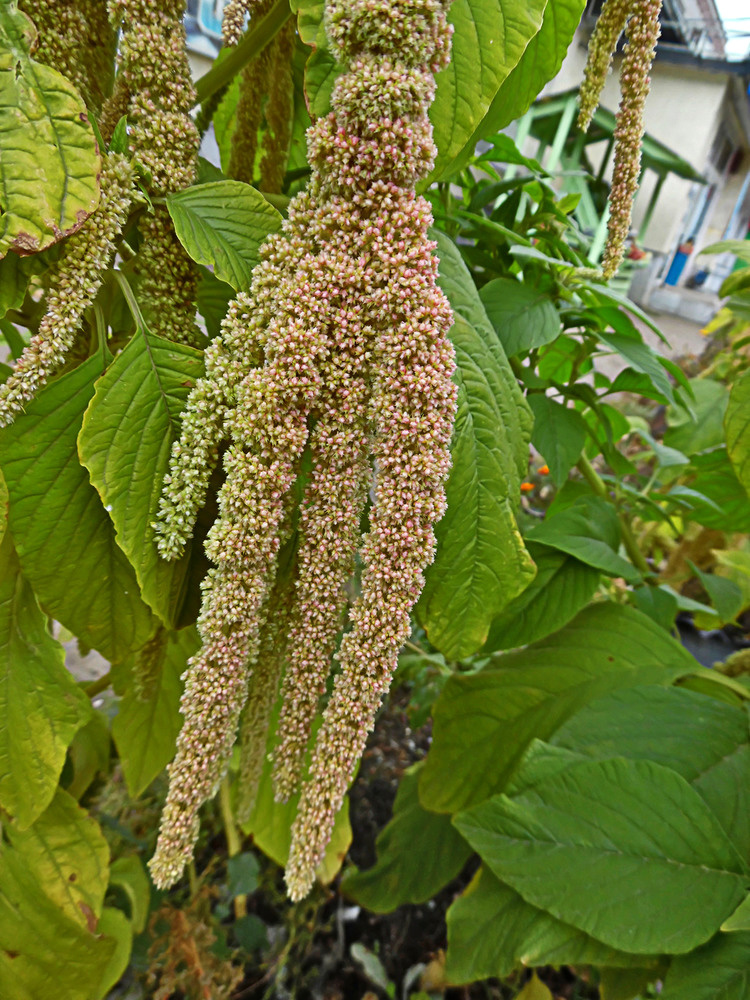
[656, 156]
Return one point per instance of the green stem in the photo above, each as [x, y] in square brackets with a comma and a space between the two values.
[234, 843]
[251, 45]
[130, 298]
[100, 684]
[599, 487]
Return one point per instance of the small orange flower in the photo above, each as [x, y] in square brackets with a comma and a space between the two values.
[544, 470]
[527, 487]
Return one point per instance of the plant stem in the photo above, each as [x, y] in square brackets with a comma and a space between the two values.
[251, 45]
[234, 843]
[100, 684]
[599, 487]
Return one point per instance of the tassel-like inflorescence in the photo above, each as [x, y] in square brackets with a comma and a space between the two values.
[154, 75]
[640, 21]
[233, 18]
[340, 350]
[74, 37]
[74, 283]
[266, 102]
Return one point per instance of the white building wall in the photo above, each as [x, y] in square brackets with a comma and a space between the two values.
[682, 111]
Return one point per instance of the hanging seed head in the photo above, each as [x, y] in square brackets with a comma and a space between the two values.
[638, 58]
[602, 45]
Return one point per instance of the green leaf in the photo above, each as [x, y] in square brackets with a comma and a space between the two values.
[489, 39]
[88, 755]
[737, 428]
[492, 930]
[50, 942]
[539, 63]
[640, 357]
[562, 586]
[724, 594]
[702, 427]
[213, 301]
[41, 706]
[116, 926]
[223, 224]
[740, 248]
[523, 316]
[484, 721]
[589, 530]
[243, 874]
[481, 563]
[688, 732]
[68, 855]
[64, 537]
[659, 603]
[628, 984]
[720, 970]
[717, 481]
[145, 730]
[740, 919]
[127, 872]
[395, 879]
[725, 787]
[125, 443]
[559, 435]
[49, 161]
[589, 843]
[15, 272]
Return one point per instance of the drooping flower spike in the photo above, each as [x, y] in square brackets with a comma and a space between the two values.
[346, 354]
[640, 21]
[154, 76]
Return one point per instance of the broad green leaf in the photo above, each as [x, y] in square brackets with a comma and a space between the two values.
[704, 739]
[701, 427]
[628, 984]
[212, 301]
[115, 925]
[484, 721]
[395, 879]
[740, 919]
[740, 248]
[242, 871]
[492, 930]
[717, 481]
[489, 39]
[68, 855]
[481, 563]
[523, 316]
[725, 595]
[535, 990]
[589, 844]
[562, 586]
[539, 63]
[4, 500]
[737, 428]
[88, 755]
[225, 121]
[559, 435]
[50, 941]
[640, 357]
[589, 530]
[720, 970]
[15, 272]
[64, 537]
[223, 224]
[145, 730]
[688, 732]
[726, 789]
[41, 706]
[49, 160]
[125, 443]
[127, 872]
[659, 603]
